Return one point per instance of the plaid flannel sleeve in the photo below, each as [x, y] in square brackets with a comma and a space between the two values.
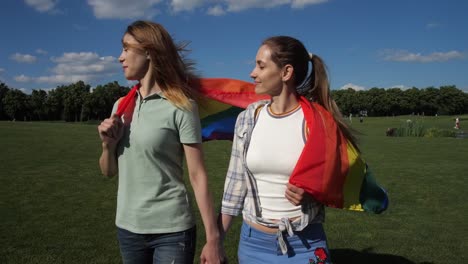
[235, 188]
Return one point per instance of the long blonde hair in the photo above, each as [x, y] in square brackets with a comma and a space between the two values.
[314, 86]
[171, 71]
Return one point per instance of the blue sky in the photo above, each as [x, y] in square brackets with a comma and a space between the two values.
[365, 43]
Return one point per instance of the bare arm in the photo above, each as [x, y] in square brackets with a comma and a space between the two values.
[212, 252]
[110, 131]
[224, 223]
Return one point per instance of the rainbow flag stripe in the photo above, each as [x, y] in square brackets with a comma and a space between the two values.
[220, 102]
[332, 170]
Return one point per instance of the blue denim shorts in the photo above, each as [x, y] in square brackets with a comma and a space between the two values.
[177, 248]
[308, 246]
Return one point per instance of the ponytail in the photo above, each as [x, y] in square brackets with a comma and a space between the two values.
[318, 91]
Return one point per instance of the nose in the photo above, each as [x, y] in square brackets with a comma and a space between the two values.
[253, 74]
[121, 59]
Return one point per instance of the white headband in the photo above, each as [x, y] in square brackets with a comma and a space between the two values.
[311, 55]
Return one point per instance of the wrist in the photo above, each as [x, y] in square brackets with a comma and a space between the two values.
[213, 237]
[106, 146]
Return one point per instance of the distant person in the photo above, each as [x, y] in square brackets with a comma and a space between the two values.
[282, 223]
[457, 123]
[361, 119]
[145, 147]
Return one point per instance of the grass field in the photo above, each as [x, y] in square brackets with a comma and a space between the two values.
[55, 207]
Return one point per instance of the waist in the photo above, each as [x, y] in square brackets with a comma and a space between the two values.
[267, 229]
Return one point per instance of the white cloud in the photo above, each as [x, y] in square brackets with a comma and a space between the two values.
[23, 58]
[85, 66]
[76, 66]
[432, 25]
[1, 70]
[63, 79]
[406, 56]
[123, 8]
[216, 10]
[186, 5]
[303, 3]
[26, 91]
[42, 5]
[353, 86]
[239, 5]
[41, 51]
[400, 86]
[22, 78]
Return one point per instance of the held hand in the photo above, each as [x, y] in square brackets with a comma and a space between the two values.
[296, 195]
[111, 130]
[213, 253]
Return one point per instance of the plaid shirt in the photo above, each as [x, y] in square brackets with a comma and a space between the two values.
[240, 189]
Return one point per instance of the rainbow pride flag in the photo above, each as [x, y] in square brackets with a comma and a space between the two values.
[332, 170]
[219, 103]
[329, 168]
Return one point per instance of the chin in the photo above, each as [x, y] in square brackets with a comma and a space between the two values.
[259, 90]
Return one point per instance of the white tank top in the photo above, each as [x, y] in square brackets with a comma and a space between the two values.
[276, 144]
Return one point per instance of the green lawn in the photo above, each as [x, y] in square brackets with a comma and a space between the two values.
[55, 207]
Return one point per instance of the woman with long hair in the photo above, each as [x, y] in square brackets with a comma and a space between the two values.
[282, 223]
[145, 147]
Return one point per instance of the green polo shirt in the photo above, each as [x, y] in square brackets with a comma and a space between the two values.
[152, 197]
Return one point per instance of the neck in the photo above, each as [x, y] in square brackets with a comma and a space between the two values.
[148, 87]
[284, 102]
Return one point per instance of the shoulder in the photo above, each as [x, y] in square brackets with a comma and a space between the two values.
[248, 115]
[251, 108]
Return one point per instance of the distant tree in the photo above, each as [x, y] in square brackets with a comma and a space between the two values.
[397, 103]
[429, 98]
[73, 101]
[14, 104]
[343, 99]
[412, 98]
[54, 103]
[37, 103]
[379, 103]
[100, 101]
[451, 100]
[3, 90]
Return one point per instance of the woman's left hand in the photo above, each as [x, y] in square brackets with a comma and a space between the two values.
[213, 252]
[296, 195]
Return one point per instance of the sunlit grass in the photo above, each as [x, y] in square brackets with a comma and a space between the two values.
[55, 206]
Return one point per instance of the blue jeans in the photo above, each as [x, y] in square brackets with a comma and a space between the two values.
[177, 248]
[306, 246]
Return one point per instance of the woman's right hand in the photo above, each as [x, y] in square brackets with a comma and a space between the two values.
[111, 130]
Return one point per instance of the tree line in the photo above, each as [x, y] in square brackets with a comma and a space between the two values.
[72, 103]
[77, 102]
[445, 100]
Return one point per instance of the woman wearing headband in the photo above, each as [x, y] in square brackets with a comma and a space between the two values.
[282, 223]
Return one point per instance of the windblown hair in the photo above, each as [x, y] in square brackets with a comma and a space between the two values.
[172, 72]
[315, 85]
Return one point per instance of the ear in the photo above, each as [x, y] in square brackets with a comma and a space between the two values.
[287, 72]
[147, 55]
